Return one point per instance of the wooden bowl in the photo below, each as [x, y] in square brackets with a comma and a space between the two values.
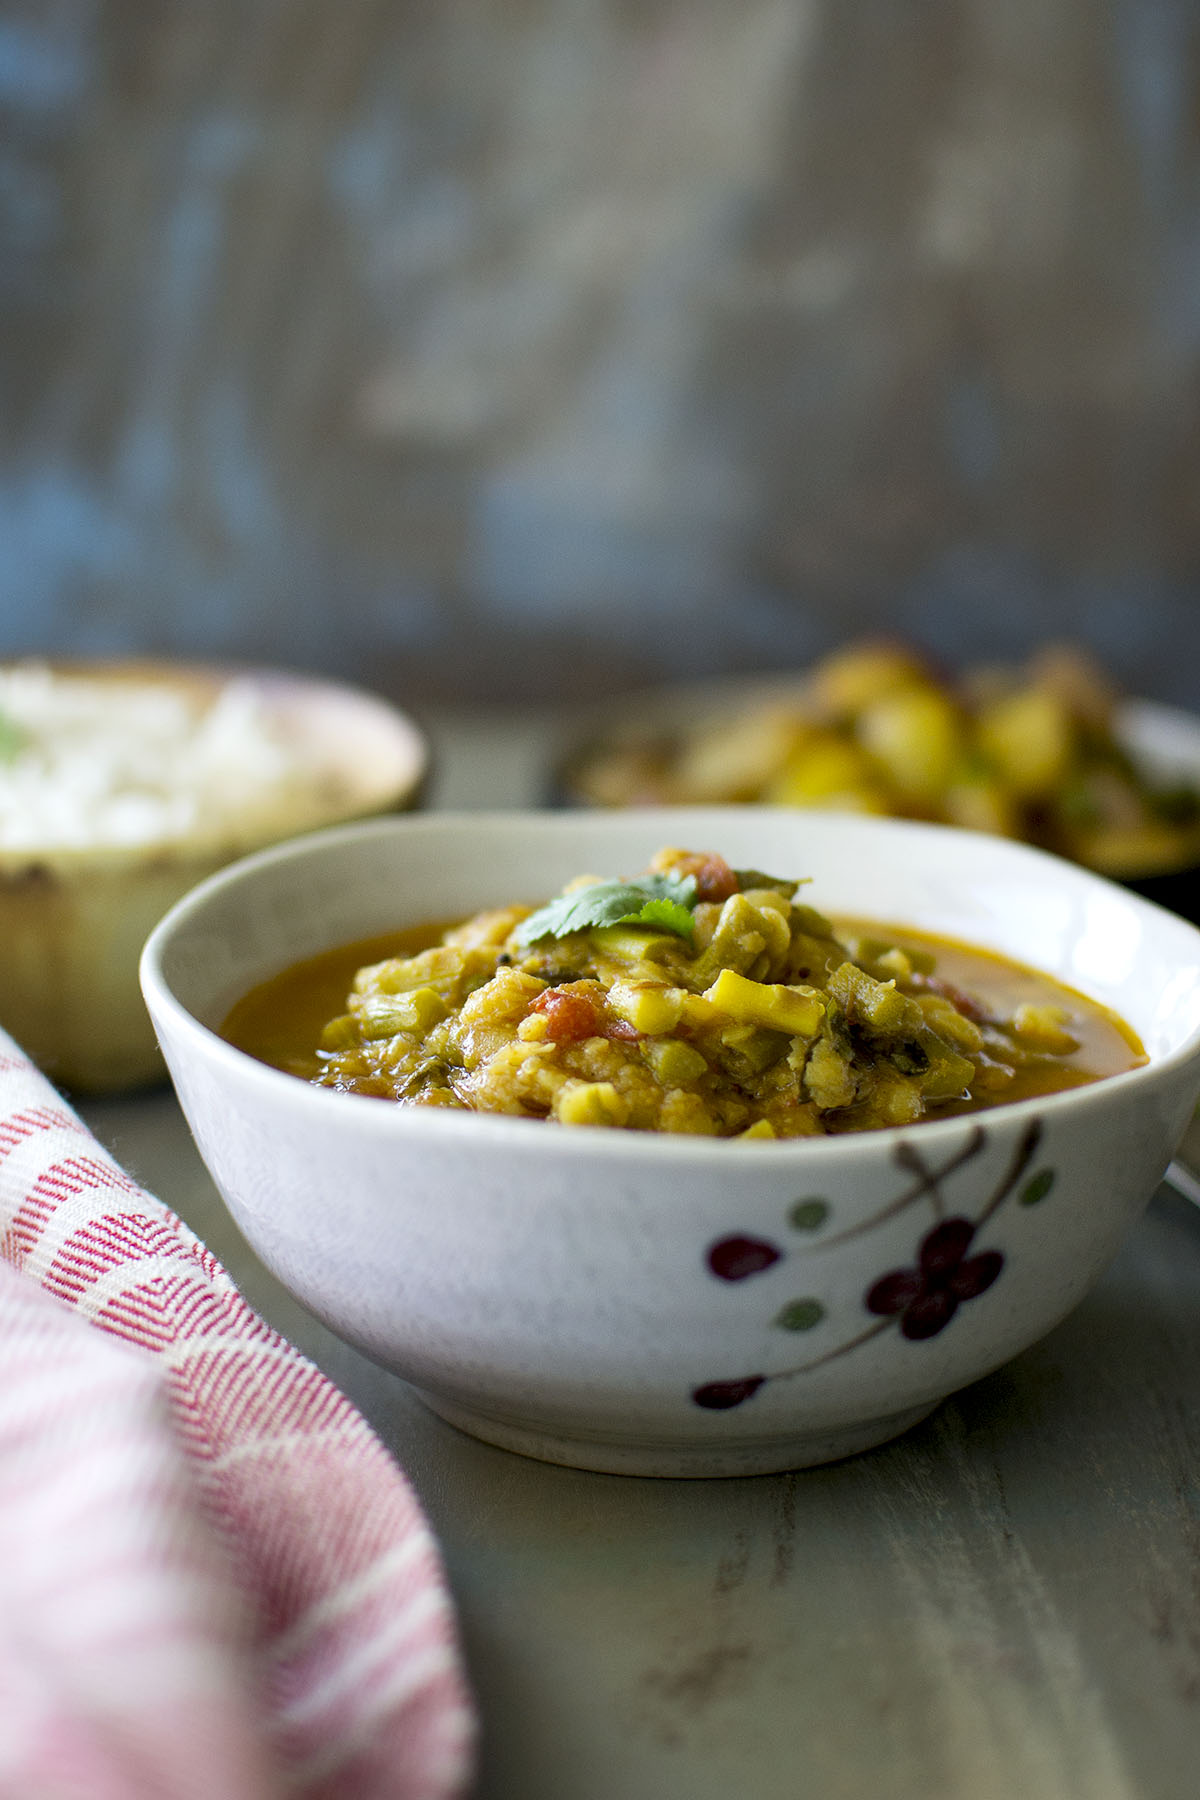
[74, 915]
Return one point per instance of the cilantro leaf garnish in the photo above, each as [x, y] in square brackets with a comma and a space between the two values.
[667, 915]
[662, 901]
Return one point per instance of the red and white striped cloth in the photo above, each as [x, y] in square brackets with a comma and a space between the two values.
[214, 1582]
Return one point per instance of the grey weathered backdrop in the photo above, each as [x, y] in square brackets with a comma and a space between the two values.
[496, 347]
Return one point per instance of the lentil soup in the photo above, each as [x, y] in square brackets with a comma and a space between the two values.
[693, 998]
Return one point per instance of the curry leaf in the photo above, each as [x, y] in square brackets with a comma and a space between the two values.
[754, 878]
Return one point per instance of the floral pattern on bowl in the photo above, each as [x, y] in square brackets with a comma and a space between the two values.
[920, 1298]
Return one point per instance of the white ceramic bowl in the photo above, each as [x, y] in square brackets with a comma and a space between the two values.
[553, 1289]
[73, 918]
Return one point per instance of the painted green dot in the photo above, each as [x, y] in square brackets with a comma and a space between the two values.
[1037, 1187]
[800, 1315]
[808, 1215]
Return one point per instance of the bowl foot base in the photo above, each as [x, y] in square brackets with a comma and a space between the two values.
[613, 1456]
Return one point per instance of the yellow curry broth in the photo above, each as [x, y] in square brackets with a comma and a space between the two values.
[766, 1021]
[280, 1021]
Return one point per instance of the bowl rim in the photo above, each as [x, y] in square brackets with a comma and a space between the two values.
[440, 1125]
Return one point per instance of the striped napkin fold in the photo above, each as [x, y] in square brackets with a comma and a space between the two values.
[214, 1581]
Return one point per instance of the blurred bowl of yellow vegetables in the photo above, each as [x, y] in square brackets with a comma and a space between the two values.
[1048, 752]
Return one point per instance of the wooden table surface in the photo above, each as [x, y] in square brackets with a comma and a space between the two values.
[1003, 1605]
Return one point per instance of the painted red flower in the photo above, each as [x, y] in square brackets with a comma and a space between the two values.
[719, 1396]
[927, 1296]
[734, 1258]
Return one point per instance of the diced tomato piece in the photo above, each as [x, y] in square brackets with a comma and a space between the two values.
[576, 1012]
[570, 1014]
[621, 1028]
[963, 1002]
[715, 880]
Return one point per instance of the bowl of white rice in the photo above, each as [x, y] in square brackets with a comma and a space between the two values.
[121, 786]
